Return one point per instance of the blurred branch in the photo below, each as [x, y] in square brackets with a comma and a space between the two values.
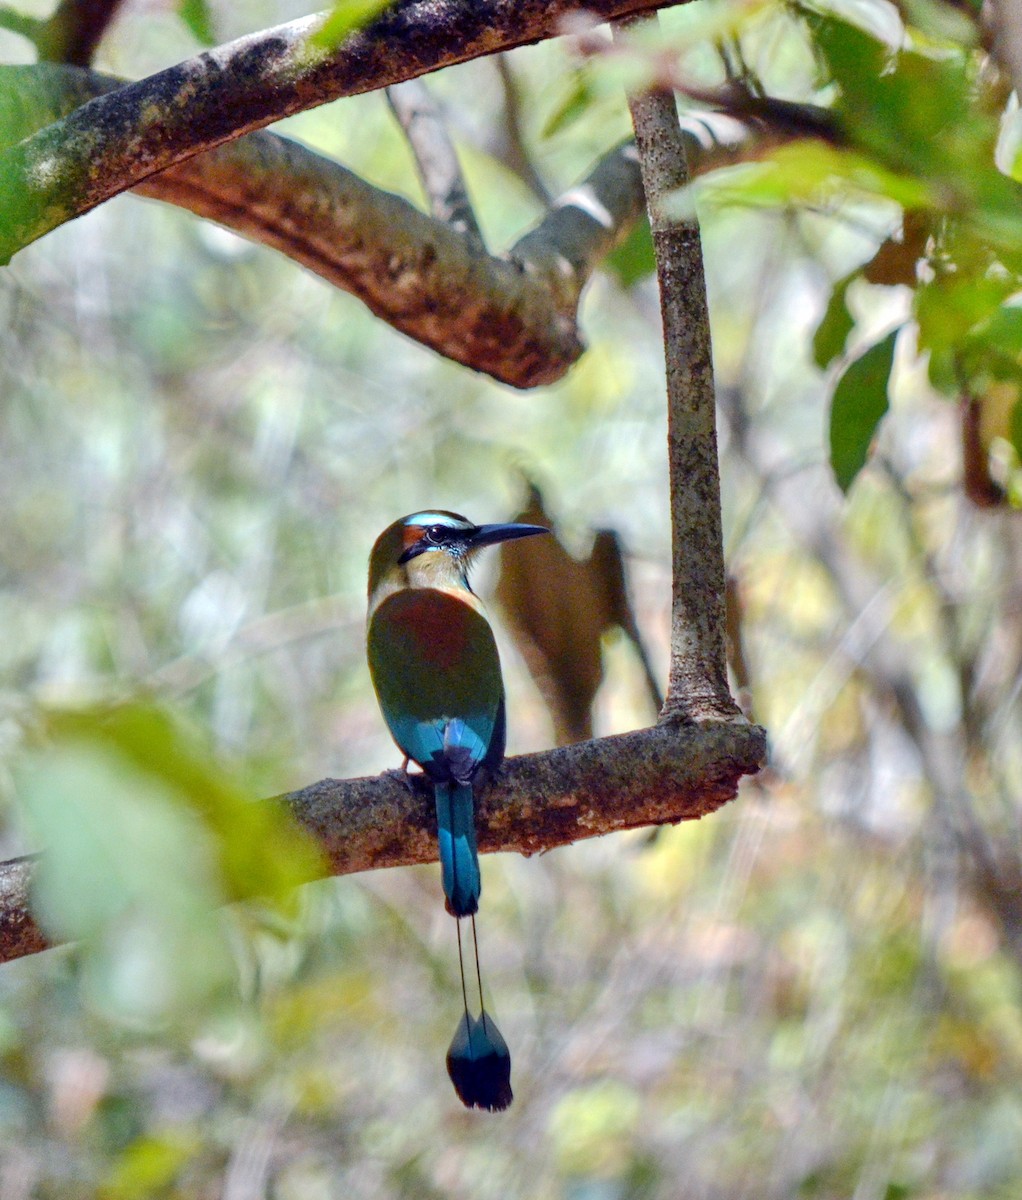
[72, 34]
[512, 150]
[993, 871]
[697, 686]
[120, 139]
[1006, 22]
[537, 802]
[435, 157]
[20, 23]
[977, 484]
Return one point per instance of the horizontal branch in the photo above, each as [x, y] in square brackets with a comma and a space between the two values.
[513, 317]
[654, 776]
[117, 140]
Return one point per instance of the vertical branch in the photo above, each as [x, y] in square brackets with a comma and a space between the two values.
[74, 31]
[697, 687]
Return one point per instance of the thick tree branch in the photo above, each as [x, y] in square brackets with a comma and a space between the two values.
[116, 141]
[697, 686]
[514, 317]
[538, 801]
[519, 326]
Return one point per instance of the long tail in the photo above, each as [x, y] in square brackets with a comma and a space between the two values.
[478, 1060]
[459, 859]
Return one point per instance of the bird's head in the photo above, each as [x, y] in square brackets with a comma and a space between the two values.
[434, 549]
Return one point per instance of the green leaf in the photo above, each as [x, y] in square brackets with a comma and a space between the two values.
[149, 1164]
[860, 400]
[634, 258]
[833, 330]
[346, 17]
[114, 840]
[571, 105]
[261, 852]
[129, 871]
[811, 172]
[196, 15]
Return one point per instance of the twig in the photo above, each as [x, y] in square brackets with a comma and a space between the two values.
[513, 152]
[697, 686]
[538, 801]
[435, 157]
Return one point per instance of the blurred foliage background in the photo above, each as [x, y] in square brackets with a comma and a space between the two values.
[815, 992]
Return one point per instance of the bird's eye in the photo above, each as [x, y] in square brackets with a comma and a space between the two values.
[435, 534]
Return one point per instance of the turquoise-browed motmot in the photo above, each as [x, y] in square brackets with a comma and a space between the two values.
[435, 668]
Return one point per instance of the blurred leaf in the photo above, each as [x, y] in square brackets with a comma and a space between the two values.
[835, 326]
[347, 17]
[196, 15]
[635, 258]
[953, 304]
[148, 1165]
[559, 628]
[116, 840]
[809, 172]
[130, 871]
[260, 851]
[860, 400]
[571, 105]
[897, 258]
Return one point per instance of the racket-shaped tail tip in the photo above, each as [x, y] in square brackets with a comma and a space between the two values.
[479, 1064]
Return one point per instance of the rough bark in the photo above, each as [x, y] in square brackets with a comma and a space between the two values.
[697, 684]
[119, 139]
[513, 317]
[537, 802]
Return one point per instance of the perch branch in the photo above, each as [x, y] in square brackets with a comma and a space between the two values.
[537, 802]
[119, 139]
[697, 686]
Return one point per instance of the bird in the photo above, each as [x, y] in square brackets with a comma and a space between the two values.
[435, 668]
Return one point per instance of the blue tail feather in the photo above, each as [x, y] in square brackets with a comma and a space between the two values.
[459, 859]
[479, 1064]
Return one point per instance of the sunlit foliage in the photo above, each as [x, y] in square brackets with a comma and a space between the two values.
[815, 993]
